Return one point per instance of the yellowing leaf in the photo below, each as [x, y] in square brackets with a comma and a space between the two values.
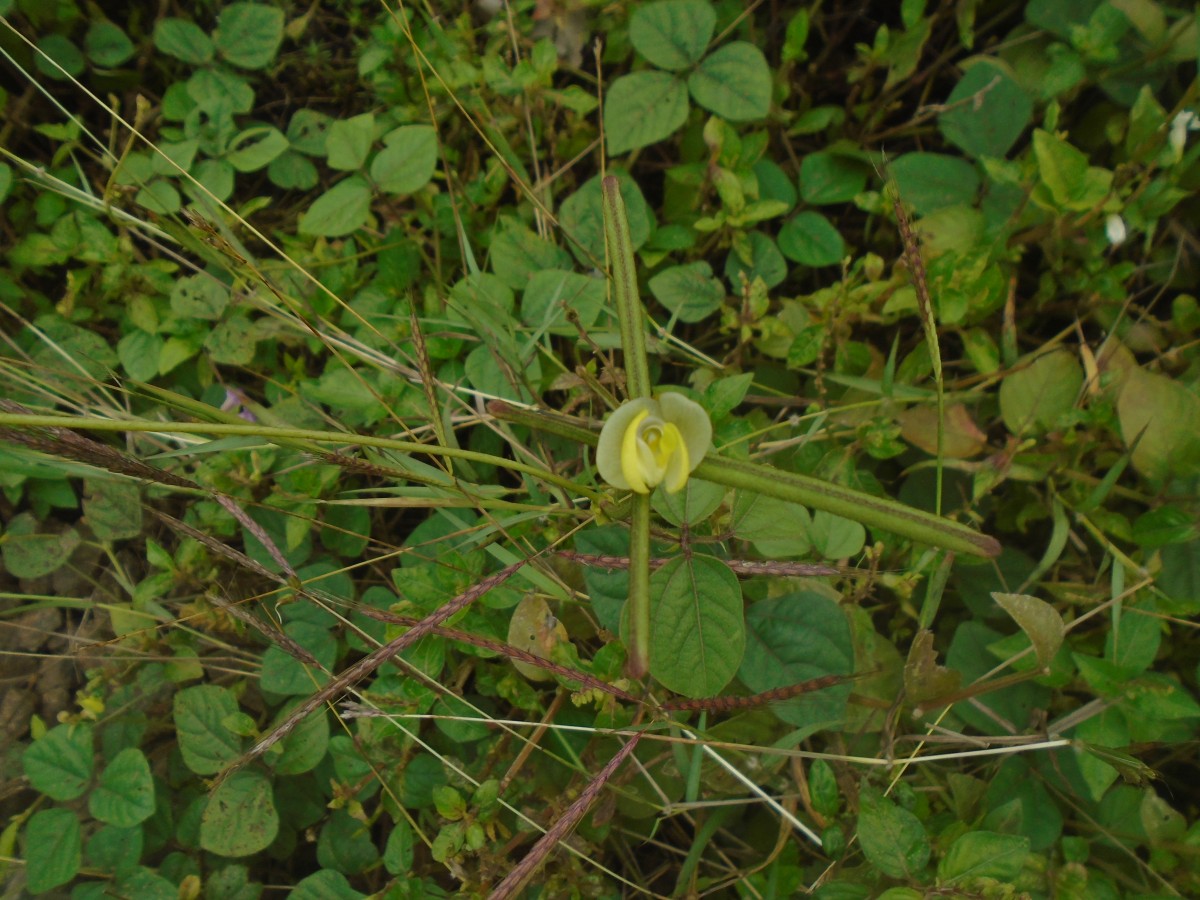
[534, 629]
[1036, 396]
[962, 438]
[1038, 619]
[1161, 416]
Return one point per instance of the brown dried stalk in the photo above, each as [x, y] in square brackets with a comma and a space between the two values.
[523, 871]
[775, 695]
[372, 661]
[454, 634]
[63, 442]
[740, 566]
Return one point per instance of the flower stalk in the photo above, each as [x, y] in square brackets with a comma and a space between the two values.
[637, 375]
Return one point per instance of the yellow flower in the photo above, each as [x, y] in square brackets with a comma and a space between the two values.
[649, 442]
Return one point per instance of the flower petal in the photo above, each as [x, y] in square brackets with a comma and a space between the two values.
[608, 449]
[693, 423]
[678, 465]
[634, 453]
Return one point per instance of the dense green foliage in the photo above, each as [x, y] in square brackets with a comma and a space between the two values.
[269, 270]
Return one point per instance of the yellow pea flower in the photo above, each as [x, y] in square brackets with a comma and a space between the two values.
[647, 442]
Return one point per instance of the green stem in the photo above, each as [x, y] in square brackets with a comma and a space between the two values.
[638, 663]
[625, 289]
[876, 512]
[637, 374]
[285, 436]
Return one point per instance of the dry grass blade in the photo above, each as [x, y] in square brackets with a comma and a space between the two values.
[218, 547]
[521, 874]
[63, 442]
[369, 663]
[234, 509]
[268, 631]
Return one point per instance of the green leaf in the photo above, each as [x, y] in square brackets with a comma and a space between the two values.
[256, 148]
[305, 746]
[53, 849]
[672, 34]
[248, 35]
[777, 529]
[1133, 641]
[984, 854]
[325, 885]
[284, 674]
[831, 178]
[408, 160]
[892, 839]
[216, 176]
[107, 45]
[607, 588]
[63, 52]
[930, 181]
[689, 291]
[1061, 167]
[28, 554]
[810, 239]
[835, 537]
[231, 882]
[1160, 414]
[734, 82]
[1179, 579]
[792, 638]
[989, 112]
[232, 343]
[1164, 525]
[726, 394]
[345, 844]
[795, 37]
[160, 196]
[116, 849]
[582, 217]
[199, 297]
[113, 509]
[349, 141]
[766, 262]
[347, 530]
[6, 180]
[551, 293]
[399, 852]
[697, 501]
[124, 795]
[697, 636]
[1038, 619]
[207, 745]
[806, 346]
[292, 172]
[240, 816]
[642, 108]
[59, 764]
[1038, 395]
[221, 93]
[518, 254]
[342, 209]
[308, 130]
[184, 40]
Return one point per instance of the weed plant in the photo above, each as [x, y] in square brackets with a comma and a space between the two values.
[311, 314]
